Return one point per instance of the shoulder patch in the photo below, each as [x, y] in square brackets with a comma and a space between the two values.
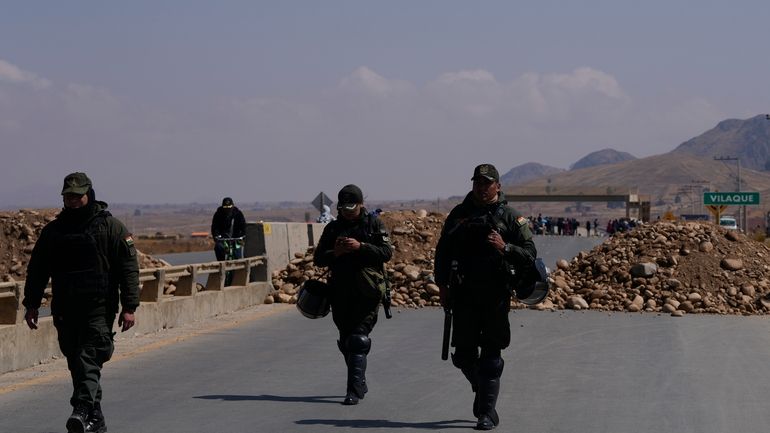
[521, 221]
[129, 240]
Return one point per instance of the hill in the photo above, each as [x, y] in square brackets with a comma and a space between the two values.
[526, 172]
[602, 157]
[676, 180]
[747, 139]
[656, 175]
[663, 177]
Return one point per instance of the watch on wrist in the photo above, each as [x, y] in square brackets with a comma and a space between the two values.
[507, 248]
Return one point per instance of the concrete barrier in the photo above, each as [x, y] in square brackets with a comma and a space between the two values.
[21, 347]
[269, 246]
[280, 241]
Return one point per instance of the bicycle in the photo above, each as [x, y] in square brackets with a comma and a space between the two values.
[233, 249]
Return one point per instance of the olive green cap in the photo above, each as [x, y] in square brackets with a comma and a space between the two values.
[76, 183]
[487, 171]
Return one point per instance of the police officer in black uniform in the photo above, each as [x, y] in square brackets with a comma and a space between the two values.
[481, 242]
[355, 247]
[90, 258]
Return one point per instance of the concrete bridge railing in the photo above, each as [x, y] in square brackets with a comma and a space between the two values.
[152, 283]
[21, 347]
[269, 246]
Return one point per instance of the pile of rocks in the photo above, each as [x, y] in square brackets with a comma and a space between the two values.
[413, 235]
[673, 268]
[18, 233]
[666, 267]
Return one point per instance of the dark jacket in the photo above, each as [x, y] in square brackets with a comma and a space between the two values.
[374, 251]
[228, 223]
[88, 253]
[463, 238]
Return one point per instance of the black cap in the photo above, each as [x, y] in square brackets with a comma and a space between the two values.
[76, 183]
[349, 196]
[487, 171]
[227, 202]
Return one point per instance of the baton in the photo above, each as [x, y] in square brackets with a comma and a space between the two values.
[447, 332]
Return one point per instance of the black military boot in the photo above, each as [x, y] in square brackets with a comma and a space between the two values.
[96, 422]
[77, 422]
[489, 388]
[350, 399]
[356, 379]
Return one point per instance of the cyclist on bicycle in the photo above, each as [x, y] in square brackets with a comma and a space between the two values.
[228, 223]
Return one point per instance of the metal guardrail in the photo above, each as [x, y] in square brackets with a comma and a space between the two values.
[152, 282]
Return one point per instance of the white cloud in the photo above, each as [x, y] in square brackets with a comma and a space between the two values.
[581, 94]
[364, 80]
[585, 94]
[476, 75]
[586, 80]
[13, 74]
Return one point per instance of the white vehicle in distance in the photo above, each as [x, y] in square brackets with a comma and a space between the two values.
[728, 222]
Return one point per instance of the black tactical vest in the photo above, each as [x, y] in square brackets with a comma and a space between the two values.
[79, 267]
[479, 261]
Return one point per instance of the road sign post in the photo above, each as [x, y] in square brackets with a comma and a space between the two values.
[320, 200]
[716, 210]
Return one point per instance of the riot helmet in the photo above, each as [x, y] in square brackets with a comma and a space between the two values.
[312, 300]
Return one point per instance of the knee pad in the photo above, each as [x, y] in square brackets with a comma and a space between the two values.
[491, 367]
[358, 343]
[465, 358]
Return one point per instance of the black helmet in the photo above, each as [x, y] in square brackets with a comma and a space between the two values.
[312, 301]
[533, 286]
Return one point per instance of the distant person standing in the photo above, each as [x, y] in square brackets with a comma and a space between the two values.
[228, 223]
[482, 239]
[90, 258]
[355, 248]
[326, 215]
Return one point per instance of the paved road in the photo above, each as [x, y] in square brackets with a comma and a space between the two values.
[565, 372]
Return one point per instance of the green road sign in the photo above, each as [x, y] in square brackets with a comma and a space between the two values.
[731, 198]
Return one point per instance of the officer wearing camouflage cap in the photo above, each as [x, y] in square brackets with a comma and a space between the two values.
[482, 239]
[90, 258]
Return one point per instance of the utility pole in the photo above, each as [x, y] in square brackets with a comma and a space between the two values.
[767, 215]
[741, 215]
[700, 184]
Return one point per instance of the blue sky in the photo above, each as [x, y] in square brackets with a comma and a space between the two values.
[180, 101]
